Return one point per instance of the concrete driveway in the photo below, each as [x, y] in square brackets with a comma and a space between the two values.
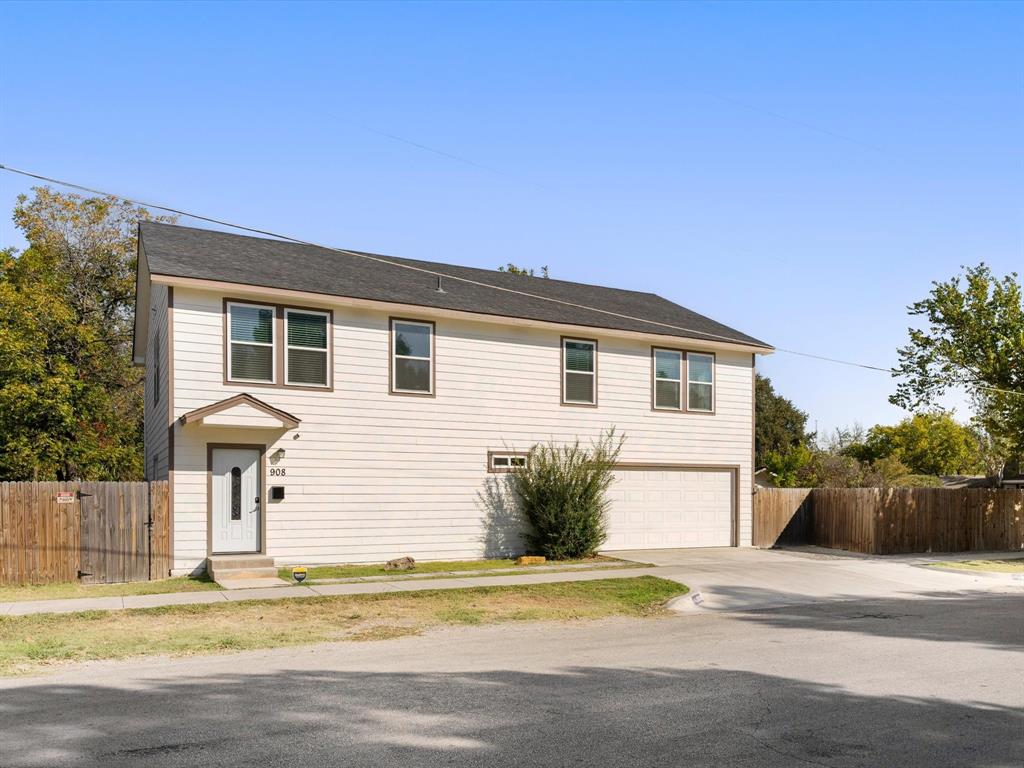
[742, 579]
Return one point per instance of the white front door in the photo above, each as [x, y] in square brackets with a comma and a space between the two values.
[236, 500]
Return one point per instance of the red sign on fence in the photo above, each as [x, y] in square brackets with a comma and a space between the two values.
[66, 497]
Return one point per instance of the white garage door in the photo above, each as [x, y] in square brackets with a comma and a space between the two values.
[658, 509]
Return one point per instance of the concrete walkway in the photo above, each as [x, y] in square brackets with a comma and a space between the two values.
[721, 579]
[77, 604]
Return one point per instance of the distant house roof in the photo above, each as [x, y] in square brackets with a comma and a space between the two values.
[187, 252]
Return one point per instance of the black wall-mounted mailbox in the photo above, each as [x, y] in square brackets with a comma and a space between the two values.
[277, 493]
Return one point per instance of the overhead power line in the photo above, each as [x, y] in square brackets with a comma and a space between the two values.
[448, 276]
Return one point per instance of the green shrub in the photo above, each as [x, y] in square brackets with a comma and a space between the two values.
[562, 489]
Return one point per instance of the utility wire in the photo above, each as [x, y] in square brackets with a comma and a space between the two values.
[456, 278]
[379, 259]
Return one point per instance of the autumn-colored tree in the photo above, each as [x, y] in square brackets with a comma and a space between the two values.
[70, 399]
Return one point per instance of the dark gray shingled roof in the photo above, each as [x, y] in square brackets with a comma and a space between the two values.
[210, 255]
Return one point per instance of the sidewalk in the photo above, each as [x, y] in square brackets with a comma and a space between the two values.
[77, 604]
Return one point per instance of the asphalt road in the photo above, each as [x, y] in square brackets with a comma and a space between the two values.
[931, 681]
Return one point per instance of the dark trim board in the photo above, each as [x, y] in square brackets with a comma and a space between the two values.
[263, 492]
[734, 469]
[753, 430]
[170, 415]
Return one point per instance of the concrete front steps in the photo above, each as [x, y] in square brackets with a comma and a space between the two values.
[243, 571]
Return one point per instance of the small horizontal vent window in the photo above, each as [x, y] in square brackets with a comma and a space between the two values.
[506, 462]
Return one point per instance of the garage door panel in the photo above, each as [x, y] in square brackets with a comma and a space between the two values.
[670, 508]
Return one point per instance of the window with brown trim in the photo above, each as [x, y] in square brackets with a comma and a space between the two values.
[579, 371]
[668, 379]
[251, 354]
[306, 335]
[274, 345]
[700, 382]
[412, 357]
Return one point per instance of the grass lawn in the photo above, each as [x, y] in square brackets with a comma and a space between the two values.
[320, 572]
[62, 590]
[1009, 565]
[30, 643]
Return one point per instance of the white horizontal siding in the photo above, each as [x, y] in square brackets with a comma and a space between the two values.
[371, 475]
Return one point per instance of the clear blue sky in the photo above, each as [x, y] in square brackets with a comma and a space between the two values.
[799, 171]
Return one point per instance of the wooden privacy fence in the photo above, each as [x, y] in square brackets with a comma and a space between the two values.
[889, 521]
[93, 532]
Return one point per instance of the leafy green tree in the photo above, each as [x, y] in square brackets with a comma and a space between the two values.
[789, 468]
[513, 269]
[779, 425]
[928, 444]
[974, 339]
[70, 400]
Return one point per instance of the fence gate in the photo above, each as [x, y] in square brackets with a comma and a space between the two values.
[115, 532]
[96, 532]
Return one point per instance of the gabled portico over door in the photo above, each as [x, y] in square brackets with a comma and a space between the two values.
[236, 487]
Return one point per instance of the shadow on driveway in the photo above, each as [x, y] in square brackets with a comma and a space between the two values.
[994, 620]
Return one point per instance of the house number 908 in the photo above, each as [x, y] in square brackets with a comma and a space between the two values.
[277, 471]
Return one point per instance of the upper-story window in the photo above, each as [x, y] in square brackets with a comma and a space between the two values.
[412, 357]
[250, 343]
[668, 379]
[700, 381]
[579, 371]
[274, 346]
[306, 338]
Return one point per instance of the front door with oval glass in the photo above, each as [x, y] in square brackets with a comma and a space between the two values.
[235, 473]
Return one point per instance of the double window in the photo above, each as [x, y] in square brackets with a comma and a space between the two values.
[278, 346]
[672, 369]
[412, 357]
[579, 371]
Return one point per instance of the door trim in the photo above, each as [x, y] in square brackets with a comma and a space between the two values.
[733, 469]
[262, 486]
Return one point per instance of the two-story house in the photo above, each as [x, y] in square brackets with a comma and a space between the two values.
[324, 406]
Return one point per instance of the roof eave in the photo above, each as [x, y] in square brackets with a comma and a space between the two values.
[246, 290]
